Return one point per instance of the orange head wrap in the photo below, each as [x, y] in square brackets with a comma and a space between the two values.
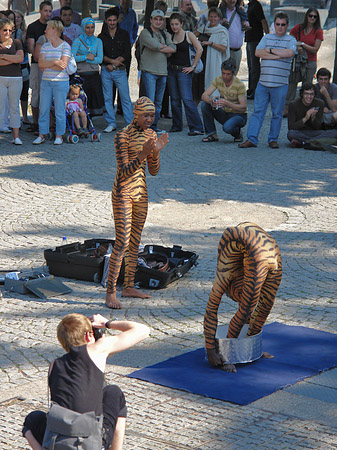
[142, 105]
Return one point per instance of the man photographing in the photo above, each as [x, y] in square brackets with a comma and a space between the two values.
[76, 378]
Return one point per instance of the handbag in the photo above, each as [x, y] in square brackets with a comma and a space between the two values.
[192, 51]
[72, 66]
[299, 65]
[84, 66]
[67, 429]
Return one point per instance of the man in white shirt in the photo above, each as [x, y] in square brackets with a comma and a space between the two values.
[70, 31]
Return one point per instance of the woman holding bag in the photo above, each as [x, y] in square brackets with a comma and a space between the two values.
[88, 53]
[180, 72]
[309, 36]
[217, 46]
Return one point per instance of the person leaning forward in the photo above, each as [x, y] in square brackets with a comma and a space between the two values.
[76, 379]
[229, 109]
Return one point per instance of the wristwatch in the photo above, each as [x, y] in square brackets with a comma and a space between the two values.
[302, 43]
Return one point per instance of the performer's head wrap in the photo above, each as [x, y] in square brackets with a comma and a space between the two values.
[143, 105]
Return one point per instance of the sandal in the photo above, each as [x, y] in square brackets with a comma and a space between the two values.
[210, 138]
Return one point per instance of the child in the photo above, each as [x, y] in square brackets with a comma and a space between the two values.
[74, 107]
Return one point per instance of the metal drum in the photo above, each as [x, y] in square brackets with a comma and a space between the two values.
[243, 349]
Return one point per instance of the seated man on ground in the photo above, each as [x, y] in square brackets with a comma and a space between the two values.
[249, 271]
[229, 109]
[76, 379]
[305, 116]
[327, 92]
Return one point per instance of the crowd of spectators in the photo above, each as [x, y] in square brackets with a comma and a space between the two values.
[182, 61]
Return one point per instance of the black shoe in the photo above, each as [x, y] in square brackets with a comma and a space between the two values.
[119, 112]
[175, 130]
[195, 133]
[250, 97]
[238, 139]
[165, 116]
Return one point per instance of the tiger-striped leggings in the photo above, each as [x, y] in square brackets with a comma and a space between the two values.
[249, 271]
[130, 213]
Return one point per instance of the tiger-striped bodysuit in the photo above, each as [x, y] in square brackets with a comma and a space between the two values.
[249, 271]
[129, 199]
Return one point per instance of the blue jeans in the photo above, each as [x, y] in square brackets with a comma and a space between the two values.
[154, 86]
[49, 91]
[180, 86]
[231, 122]
[118, 78]
[263, 95]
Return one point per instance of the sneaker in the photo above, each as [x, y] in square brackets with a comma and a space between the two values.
[80, 131]
[39, 140]
[195, 133]
[159, 131]
[109, 129]
[58, 141]
[85, 130]
[238, 139]
[5, 130]
[17, 141]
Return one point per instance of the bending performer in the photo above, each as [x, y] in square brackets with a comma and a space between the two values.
[135, 145]
[249, 271]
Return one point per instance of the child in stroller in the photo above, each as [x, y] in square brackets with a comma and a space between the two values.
[75, 109]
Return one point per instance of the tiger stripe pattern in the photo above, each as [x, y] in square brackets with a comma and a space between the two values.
[249, 271]
[129, 195]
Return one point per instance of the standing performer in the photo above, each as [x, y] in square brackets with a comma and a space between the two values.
[249, 271]
[135, 144]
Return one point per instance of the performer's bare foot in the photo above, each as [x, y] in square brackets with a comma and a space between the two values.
[133, 292]
[230, 368]
[112, 301]
[267, 355]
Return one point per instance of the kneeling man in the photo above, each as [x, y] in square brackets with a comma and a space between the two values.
[230, 109]
[305, 118]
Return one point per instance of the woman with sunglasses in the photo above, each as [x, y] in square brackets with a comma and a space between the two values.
[11, 56]
[309, 37]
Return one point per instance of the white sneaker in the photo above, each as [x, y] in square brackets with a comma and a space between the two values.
[5, 130]
[17, 141]
[109, 129]
[39, 140]
[58, 141]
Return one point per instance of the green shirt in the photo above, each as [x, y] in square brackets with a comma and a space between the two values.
[231, 93]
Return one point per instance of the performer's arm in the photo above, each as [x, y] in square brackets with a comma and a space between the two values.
[126, 167]
[153, 160]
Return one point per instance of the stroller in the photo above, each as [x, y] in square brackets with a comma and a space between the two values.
[73, 136]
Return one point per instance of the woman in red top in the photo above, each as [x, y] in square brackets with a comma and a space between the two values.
[309, 36]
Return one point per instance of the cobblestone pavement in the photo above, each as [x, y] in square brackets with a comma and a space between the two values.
[48, 192]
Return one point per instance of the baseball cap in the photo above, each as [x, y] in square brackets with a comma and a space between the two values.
[157, 12]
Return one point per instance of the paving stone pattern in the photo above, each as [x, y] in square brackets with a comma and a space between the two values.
[48, 192]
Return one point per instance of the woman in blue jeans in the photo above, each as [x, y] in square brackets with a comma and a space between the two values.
[53, 60]
[180, 72]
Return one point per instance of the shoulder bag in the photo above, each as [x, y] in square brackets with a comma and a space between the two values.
[192, 51]
[84, 66]
[299, 64]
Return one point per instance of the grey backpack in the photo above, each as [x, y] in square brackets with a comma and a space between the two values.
[70, 430]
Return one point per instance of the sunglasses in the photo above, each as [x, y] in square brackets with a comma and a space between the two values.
[281, 24]
[312, 16]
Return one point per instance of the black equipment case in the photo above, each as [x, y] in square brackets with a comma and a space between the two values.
[80, 261]
[77, 260]
[179, 262]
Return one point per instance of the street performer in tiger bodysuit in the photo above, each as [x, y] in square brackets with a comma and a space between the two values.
[135, 145]
[249, 271]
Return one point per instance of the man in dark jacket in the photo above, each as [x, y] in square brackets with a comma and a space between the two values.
[305, 117]
[117, 53]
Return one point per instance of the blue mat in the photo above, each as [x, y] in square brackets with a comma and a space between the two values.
[299, 352]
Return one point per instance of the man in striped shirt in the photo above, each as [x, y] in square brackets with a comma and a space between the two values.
[276, 52]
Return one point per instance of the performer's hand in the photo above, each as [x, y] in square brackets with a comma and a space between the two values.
[214, 358]
[148, 147]
[161, 142]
